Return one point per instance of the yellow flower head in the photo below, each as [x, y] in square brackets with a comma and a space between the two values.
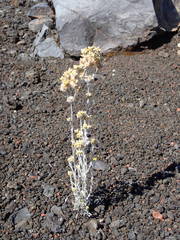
[69, 79]
[70, 159]
[88, 94]
[78, 144]
[90, 56]
[70, 173]
[73, 189]
[79, 152]
[86, 126]
[78, 166]
[79, 134]
[93, 140]
[80, 70]
[82, 114]
[70, 99]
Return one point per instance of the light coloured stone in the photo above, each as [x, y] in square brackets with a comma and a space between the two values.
[99, 165]
[107, 24]
[49, 48]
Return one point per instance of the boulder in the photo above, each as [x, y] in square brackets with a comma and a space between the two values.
[108, 24]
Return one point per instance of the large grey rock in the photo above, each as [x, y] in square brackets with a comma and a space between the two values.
[107, 24]
[49, 48]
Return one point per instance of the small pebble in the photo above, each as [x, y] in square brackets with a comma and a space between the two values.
[12, 52]
[56, 210]
[53, 222]
[114, 161]
[30, 74]
[119, 157]
[24, 57]
[131, 236]
[48, 191]
[124, 170]
[99, 165]
[142, 103]
[92, 226]
[118, 223]
[21, 217]
[163, 54]
[3, 153]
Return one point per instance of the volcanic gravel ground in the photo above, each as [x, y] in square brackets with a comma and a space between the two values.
[136, 120]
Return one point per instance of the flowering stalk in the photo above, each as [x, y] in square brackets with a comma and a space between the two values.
[80, 161]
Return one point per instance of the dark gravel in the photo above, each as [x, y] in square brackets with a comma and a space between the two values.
[137, 123]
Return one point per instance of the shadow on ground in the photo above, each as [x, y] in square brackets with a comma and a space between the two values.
[119, 190]
[156, 41]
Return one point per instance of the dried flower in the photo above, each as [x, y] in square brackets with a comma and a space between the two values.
[88, 78]
[86, 126]
[70, 173]
[72, 81]
[80, 70]
[73, 189]
[82, 114]
[93, 140]
[70, 159]
[78, 144]
[90, 56]
[88, 94]
[78, 166]
[70, 99]
[69, 79]
[79, 152]
[79, 134]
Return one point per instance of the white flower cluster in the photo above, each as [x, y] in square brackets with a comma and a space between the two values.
[80, 161]
[70, 79]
